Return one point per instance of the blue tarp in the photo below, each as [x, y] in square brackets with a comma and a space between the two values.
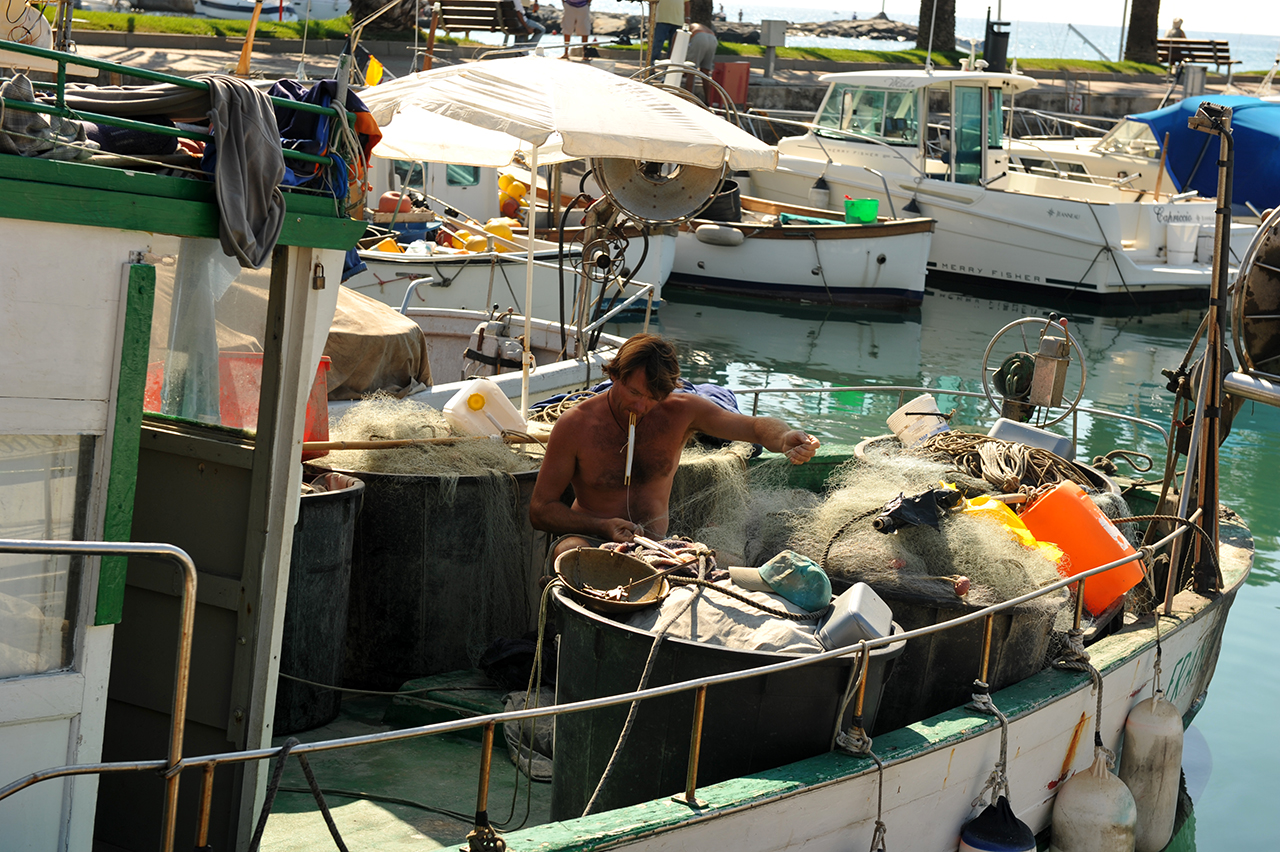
[1193, 155]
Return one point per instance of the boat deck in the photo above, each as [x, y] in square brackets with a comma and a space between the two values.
[414, 794]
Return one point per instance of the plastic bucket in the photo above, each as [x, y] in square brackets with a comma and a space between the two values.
[726, 206]
[1180, 242]
[861, 210]
[917, 420]
[1068, 518]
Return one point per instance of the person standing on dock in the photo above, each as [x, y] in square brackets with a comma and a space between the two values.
[576, 20]
[620, 449]
[668, 18]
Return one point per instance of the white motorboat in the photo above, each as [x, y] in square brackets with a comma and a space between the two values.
[786, 251]
[242, 10]
[931, 141]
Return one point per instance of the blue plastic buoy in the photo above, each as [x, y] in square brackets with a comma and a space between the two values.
[996, 829]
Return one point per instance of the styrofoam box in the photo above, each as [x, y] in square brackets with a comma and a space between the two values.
[859, 613]
[1032, 436]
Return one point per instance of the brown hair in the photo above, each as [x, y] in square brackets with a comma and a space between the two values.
[650, 353]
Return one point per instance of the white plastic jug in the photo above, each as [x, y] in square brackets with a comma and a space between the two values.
[480, 408]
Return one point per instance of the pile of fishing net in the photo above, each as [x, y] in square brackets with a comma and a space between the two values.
[382, 417]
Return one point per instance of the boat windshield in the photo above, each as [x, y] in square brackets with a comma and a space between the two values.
[886, 115]
[1130, 137]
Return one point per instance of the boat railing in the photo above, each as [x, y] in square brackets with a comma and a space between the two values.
[170, 766]
[1045, 123]
[821, 131]
[903, 390]
[61, 110]
[209, 763]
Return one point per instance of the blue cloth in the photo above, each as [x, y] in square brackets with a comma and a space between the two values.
[309, 133]
[1192, 156]
[663, 33]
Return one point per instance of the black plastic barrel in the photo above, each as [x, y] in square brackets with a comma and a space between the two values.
[443, 567]
[315, 617]
[726, 206]
[748, 726]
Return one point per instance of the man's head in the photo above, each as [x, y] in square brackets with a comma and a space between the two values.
[650, 356]
[1177, 22]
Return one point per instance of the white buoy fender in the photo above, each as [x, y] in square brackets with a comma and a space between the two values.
[1151, 767]
[719, 235]
[1094, 812]
[26, 24]
[996, 829]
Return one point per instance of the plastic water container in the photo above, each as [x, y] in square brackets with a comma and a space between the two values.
[861, 210]
[859, 613]
[1180, 242]
[480, 408]
[1033, 436]
[1068, 518]
[917, 420]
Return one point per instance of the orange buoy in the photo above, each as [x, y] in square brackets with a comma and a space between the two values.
[1068, 518]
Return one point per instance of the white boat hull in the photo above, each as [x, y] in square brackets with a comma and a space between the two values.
[1020, 240]
[478, 281]
[880, 264]
[449, 334]
[242, 10]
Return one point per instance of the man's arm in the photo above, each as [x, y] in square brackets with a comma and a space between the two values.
[772, 433]
[548, 512]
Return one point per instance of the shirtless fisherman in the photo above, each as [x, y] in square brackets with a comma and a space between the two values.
[588, 449]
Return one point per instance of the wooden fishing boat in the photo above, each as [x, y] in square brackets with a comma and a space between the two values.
[229, 497]
[786, 251]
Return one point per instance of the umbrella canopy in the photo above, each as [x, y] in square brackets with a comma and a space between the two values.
[579, 110]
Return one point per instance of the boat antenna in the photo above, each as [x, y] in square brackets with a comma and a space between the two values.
[933, 23]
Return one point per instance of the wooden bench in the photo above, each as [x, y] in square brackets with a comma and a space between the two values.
[490, 16]
[1173, 51]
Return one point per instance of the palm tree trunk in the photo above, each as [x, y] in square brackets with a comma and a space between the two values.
[1144, 26]
[944, 33]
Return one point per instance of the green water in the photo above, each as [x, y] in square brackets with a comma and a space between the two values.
[747, 344]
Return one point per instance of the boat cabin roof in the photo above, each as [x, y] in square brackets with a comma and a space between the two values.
[919, 79]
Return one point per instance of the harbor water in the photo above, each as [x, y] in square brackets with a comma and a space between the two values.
[1231, 755]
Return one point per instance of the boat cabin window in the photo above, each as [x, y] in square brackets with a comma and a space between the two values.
[461, 175]
[45, 480]
[887, 115]
[1130, 137]
[409, 174]
[210, 317]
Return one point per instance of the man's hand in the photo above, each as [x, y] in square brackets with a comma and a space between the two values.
[620, 530]
[799, 446]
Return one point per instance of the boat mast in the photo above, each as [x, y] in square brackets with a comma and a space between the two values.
[1214, 119]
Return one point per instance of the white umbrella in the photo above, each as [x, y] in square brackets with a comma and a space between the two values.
[595, 114]
[550, 110]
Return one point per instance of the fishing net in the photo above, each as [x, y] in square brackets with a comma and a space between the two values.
[382, 417]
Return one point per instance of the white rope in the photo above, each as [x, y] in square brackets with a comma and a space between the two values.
[998, 779]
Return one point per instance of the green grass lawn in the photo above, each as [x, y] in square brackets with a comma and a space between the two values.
[339, 27]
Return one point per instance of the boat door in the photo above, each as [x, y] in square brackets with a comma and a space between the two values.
[969, 121]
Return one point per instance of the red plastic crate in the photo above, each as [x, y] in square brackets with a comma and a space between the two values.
[239, 387]
[734, 77]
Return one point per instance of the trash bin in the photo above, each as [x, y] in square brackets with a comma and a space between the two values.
[315, 618]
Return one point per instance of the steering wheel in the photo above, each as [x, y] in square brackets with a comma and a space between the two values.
[1015, 368]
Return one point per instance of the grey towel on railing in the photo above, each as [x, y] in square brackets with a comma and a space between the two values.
[248, 168]
[30, 134]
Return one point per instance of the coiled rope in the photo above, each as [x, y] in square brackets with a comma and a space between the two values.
[1004, 464]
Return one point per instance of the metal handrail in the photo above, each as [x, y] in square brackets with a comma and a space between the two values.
[61, 110]
[756, 393]
[172, 766]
